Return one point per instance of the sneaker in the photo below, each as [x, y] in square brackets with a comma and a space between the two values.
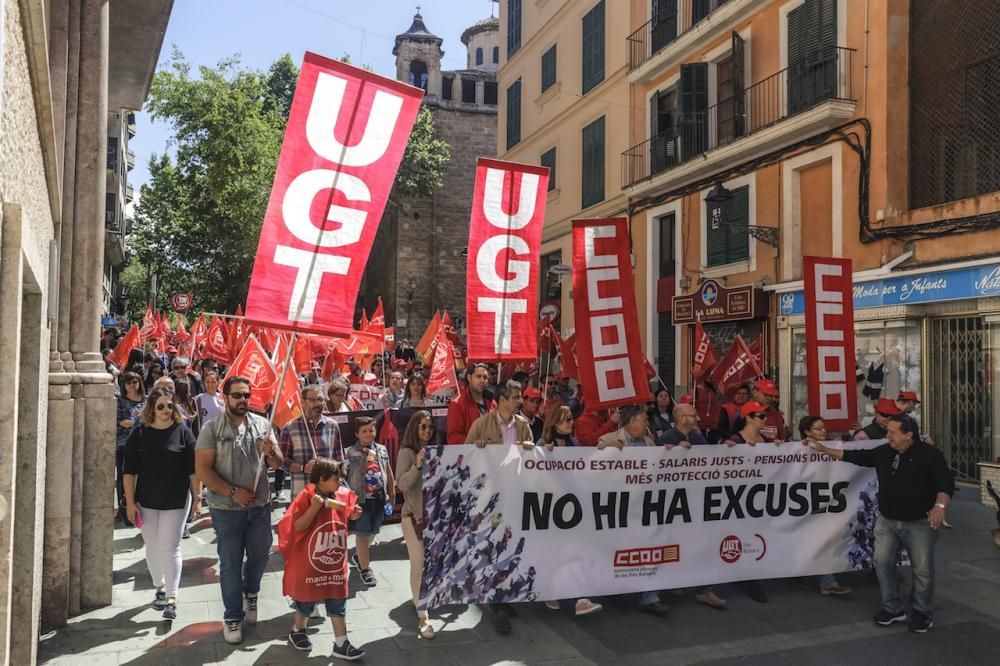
[920, 623]
[710, 598]
[426, 631]
[836, 589]
[552, 605]
[368, 578]
[885, 618]
[586, 607]
[299, 639]
[160, 600]
[170, 611]
[232, 631]
[187, 532]
[355, 562]
[250, 608]
[347, 652]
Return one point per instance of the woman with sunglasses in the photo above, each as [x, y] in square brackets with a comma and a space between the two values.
[155, 372]
[419, 434]
[159, 481]
[813, 433]
[415, 393]
[131, 395]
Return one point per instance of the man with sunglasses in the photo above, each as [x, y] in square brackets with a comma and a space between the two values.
[766, 393]
[308, 437]
[915, 488]
[230, 453]
[885, 408]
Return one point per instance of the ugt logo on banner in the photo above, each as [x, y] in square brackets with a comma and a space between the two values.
[345, 138]
[609, 349]
[505, 237]
[833, 392]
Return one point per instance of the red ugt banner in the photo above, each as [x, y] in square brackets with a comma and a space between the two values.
[505, 241]
[830, 363]
[345, 137]
[608, 347]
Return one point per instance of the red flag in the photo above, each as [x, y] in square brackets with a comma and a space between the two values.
[376, 325]
[704, 355]
[758, 353]
[608, 346]
[333, 365]
[345, 137]
[442, 374]
[648, 367]
[253, 363]
[181, 335]
[390, 338]
[738, 366]
[567, 356]
[364, 320]
[215, 342]
[150, 324]
[446, 321]
[199, 331]
[427, 339]
[546, 335]
[388, 435]
[165, 332]
[302, 355]
[505, 241]
[288, 405]
[119, 355]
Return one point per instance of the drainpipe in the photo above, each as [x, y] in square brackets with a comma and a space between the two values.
[864, 89]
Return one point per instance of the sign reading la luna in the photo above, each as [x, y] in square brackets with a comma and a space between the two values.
[947, 285]
[713, 302]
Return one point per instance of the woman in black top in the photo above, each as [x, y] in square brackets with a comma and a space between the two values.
[159, 478]
[131, 396]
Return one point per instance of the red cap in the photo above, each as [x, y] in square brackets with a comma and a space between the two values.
[399, 363]
[886, 407]
[766, 386]
[908, 395]
[751, 406]
[686, 399]
[171, 349]
[531, 392]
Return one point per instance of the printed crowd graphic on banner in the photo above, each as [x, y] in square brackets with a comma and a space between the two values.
[830, 363]
[509, 525]
[612, 370]
[345, 137]
[505, 237]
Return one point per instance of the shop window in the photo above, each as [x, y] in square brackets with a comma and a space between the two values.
[887, 358]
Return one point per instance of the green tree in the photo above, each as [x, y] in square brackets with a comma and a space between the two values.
[198, 219]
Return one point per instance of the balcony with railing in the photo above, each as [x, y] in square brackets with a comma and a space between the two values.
[130, 159]
[130, 125]
[129, 193]
[818, 90]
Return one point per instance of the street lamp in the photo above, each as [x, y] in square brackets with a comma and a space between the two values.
[718, 196]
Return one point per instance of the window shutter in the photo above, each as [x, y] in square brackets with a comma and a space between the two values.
[739, 86]
[549, 68]
[514, 114]
[812, 55]
[593, 163]
[548, 159]
[737, 218]
[513, 27]
[694, 107]
[699, 10]
[593, 47]
[664, 28]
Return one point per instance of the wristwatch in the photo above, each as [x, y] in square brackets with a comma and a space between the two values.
[940, 506]
[232, 491]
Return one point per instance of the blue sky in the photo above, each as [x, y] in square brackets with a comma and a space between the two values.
[207, 31]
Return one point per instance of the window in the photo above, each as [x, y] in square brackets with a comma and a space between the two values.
[593, 47]
[479, 56]
[702, 8]
[468, 91]
[663, 130]
[548, 68]
[418, 74]
[513, 27]
[514, 114]
[664, 28]
[550, 284]
[446, 83]
[490, 93]
[667, 253]
[727, 239]
[548, 159]
[729, 93]
[694, 109]
[812, 54]
[593, 163]
[112, 153]
[496, 55]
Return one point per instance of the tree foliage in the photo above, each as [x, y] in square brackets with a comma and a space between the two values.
[198, 219]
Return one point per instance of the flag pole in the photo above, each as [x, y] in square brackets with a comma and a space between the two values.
[274, 404]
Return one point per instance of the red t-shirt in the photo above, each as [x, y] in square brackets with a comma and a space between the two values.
[316, 559]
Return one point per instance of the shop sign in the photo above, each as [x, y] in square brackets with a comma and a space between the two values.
[960, 283]
[713, 302]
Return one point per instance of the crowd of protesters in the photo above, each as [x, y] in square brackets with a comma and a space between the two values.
[179, 428]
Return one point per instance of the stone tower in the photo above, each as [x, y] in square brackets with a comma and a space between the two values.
[418, 57]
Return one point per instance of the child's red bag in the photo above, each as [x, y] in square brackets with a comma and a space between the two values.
[316, 559]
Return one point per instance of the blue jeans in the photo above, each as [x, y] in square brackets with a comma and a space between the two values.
[238, 533]
[918, 538]
[827, 581]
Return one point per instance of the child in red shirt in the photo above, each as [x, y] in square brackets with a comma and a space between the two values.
[312, 536]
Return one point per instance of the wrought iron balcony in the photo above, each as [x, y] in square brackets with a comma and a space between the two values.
[823, 76]
[665, 27]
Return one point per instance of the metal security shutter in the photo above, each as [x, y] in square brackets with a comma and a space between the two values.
[812, 54]
[694, 108]
[593, 163]
[514, 114]
[727, 239]
[593, 47]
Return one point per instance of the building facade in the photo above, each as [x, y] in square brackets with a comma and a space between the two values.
[418, 261]
[563, 104]
[839, 128]
[119, 194]
[64, 66]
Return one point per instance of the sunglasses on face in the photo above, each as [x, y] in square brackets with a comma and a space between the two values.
[426, 426]
[160, 406]
[239, 396]
[339, 394]
[756, 415]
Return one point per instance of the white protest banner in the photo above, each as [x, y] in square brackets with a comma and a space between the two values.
[509, 525]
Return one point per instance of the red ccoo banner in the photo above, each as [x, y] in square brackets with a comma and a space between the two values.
[608, 347]
[833, 393]
[345, 137]
[505, 241]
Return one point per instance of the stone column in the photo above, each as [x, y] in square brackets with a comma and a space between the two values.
[480, 92]
[98, 464]
[69, 180]
[58, 503]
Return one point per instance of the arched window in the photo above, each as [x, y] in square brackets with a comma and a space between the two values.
[418, 74]
[496, 55]
[479, 56]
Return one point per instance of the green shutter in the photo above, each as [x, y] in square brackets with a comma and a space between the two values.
[548, 159]
[593, 47]
[548, 68]
[730, 242]
[812, 65]
[593, 163]
[514, 114]
[513, 27]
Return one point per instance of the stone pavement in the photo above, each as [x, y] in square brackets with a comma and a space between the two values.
[798, 625]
